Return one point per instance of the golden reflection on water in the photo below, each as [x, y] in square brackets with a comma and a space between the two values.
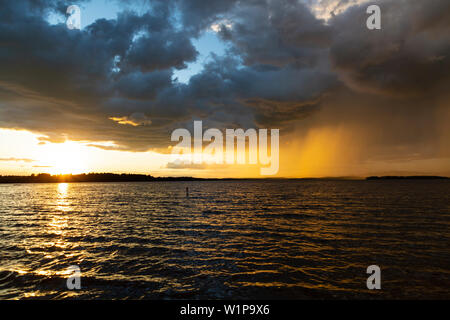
[59, 220]
[62, 188]
[276, 239]
[57, 224]
[61, 200]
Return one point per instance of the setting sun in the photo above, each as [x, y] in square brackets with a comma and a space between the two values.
[64, 158]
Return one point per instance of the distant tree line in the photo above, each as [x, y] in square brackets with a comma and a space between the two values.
[90, 177]
[128, 177]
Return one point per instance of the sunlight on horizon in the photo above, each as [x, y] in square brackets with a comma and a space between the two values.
[318, 153]
[65, 158]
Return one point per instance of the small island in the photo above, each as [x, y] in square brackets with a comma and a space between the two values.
[407, 178]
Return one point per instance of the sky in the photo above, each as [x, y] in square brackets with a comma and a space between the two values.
[348, 101]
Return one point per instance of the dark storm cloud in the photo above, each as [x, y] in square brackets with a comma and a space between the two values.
[112, 81]
[409, 56]
[143, 86]
[274, 94]
[162, 50]
[59, 82]
[277, 33]
[198, 15]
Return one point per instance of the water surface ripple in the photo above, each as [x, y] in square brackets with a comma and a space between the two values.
[230, 239]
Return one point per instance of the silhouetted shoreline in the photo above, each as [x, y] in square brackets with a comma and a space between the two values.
[406, 178]
[90, 177]
[113, 177]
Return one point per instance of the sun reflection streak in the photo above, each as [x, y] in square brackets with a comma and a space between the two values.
[62, 203]
[63, 188]
[59, 219]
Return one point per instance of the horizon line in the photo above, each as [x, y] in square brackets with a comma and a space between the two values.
[139, 177]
